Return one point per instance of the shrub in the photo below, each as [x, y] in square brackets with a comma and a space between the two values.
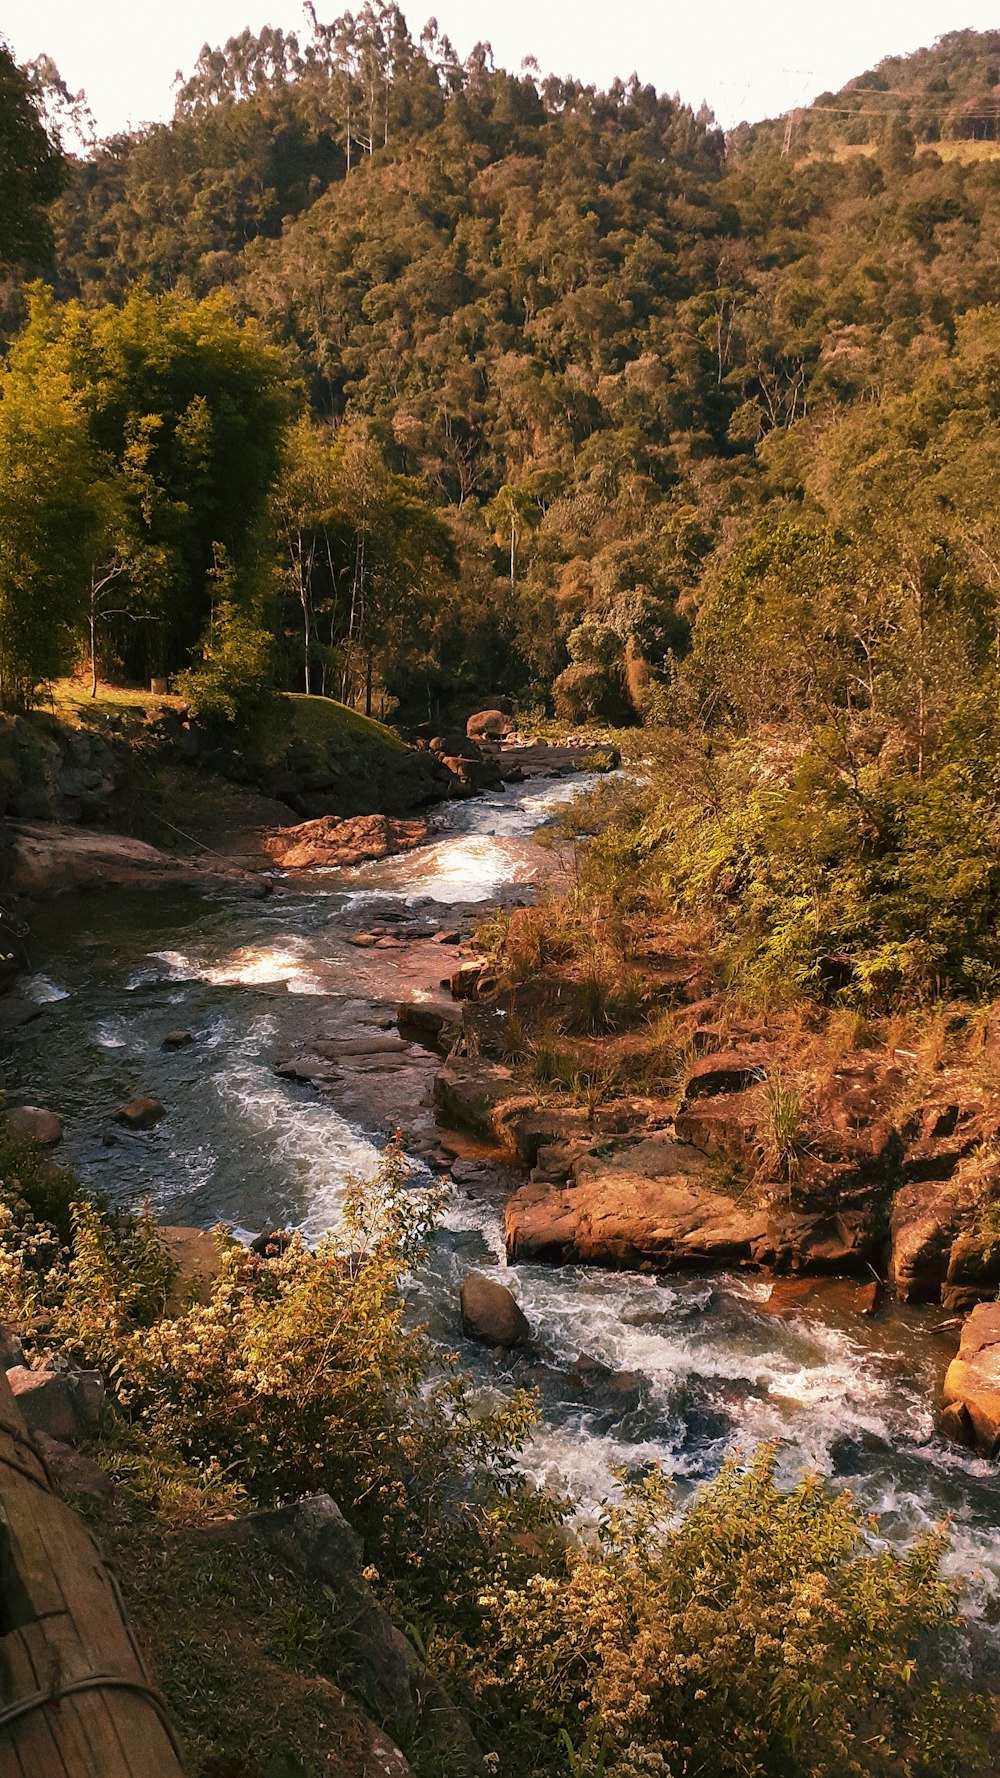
[764, 1633]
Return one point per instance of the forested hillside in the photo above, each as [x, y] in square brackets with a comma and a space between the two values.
[414, 381]
[579, 322]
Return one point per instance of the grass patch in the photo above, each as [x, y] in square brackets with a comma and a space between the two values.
[324, 722]
[243, 1647]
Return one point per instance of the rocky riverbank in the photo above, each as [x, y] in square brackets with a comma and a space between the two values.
[884, 1171]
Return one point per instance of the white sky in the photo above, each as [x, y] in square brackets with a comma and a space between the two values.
[748, 58]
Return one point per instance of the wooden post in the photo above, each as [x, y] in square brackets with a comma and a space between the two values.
[75, 1698]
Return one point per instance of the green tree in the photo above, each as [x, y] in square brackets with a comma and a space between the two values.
[50, 529]
[31, 167]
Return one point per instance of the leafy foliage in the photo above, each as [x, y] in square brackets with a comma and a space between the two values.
[758, 1635]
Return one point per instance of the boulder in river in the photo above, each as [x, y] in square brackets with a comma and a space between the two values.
[140, 1114]
[491, 1315]
[330, 842]
[177, 1040]
[489, 725]
[653, 1206]
[38, 1125]
[972, 1386]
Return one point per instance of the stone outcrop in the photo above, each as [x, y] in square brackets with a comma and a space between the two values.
[653, 1206]
[971, 1396]
[491, 1315]
[331, 842]
[64, 1405]
[388, 1675]
[48, 861]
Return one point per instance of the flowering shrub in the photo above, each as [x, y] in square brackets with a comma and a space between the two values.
[756, 1637]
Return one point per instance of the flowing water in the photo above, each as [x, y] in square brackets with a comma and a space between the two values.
[688, 1368]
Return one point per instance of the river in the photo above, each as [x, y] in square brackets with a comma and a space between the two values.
[689, 1368]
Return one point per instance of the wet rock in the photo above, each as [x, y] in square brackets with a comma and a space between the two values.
[971, 1395]
[490, 1314]
[331, 841]
[177, 1040]
[333, 1049]
[140, 1114]
[309, 1070]
[43, 1127]
[839, 1296]
[623, 1387]
[729, 1071]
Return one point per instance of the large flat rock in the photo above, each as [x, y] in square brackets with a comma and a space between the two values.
[653, 1205]
[50, 860]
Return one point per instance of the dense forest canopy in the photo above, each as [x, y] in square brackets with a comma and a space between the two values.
[589, 351]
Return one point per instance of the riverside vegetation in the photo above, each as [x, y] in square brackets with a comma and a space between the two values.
[763, 1632]
[380, 375]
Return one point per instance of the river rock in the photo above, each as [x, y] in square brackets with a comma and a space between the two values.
[50, 861]
[489, 725]
[971, 1395]
[140, 1114]
[177, 1040]
[331, 842]
[43, 1127]
[469, 1093]
[653, 1206]
[924, 1223]
[491, 1315]
[973, 1271]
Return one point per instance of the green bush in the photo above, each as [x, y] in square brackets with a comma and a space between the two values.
[762, 1635]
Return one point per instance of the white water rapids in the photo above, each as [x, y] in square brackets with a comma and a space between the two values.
[694, 1366]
